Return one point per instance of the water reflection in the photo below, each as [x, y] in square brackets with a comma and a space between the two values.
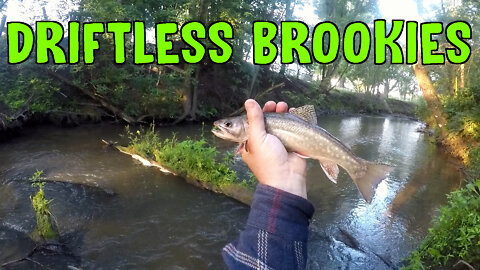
[349, 129]
[387, 140]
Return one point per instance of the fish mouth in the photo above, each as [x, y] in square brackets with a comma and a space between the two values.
[222, 132]
[218, 130]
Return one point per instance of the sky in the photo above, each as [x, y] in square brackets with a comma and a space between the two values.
[31, 10]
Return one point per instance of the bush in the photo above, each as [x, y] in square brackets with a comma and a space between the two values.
[421, 109]
[455, 234]
[474, 166]
[463, 113]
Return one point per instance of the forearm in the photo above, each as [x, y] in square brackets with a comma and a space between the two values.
[276, 233]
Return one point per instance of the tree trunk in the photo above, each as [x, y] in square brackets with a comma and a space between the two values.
[187, 96]
[454, 144]
[251, 92]
[289, 6]
[194, 108]
[2, 27]
[45, 15]
[341, 82]
[325, 85]
[2, 24]
[190, 89]
[431, 98]
[462, 76]
[386, 88]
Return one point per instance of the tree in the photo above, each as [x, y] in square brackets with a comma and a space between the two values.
[454, 144]
[341, 13]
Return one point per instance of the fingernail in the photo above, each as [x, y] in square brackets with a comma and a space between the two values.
[245, 146]
[250, 103]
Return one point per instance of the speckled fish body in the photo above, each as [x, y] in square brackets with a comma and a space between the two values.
[298, 131]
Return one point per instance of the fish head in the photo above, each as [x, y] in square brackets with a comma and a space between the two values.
[231, 129]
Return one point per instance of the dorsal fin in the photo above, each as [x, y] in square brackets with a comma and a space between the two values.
[306, 112]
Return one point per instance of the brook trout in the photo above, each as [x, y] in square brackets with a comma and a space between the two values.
[299, 133]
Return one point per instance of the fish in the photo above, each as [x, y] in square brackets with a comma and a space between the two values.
[299, 132]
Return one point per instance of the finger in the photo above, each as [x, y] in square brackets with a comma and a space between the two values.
[245, 155]
[282, 107]
[291, 109]
[269, 106]
[256, 123]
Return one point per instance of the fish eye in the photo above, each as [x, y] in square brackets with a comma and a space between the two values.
[228, 124]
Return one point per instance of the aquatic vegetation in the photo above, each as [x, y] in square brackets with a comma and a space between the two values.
[455, 234]
[45, 228]
[36, 177]
[192, 158]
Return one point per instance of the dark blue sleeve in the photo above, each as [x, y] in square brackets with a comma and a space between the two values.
[276, 233]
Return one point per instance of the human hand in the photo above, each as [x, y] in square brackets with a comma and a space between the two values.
[266, 156]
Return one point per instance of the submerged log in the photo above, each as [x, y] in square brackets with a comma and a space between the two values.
[235, 191]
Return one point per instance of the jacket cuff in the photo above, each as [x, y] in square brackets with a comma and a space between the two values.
[280, 212]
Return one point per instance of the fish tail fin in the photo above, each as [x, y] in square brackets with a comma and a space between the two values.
[368, 180]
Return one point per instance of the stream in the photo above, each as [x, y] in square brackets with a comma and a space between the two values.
[114, 213]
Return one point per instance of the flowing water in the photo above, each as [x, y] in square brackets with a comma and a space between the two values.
[114, 213]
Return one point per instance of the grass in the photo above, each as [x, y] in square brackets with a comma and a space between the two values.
[192, 158]
[45, 228]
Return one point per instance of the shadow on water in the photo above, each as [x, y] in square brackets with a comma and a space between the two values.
[116, 213]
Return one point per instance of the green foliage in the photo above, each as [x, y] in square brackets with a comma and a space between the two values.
[421, 109]
[193, 158]
[21, 86]
[136, 89]
[166, 93]
[348, 102]
[36, 177]
[474, 163]
[45, 228]
[144, 142]
[455, 234]
[251, 181]
[463, 113]
[229, 158]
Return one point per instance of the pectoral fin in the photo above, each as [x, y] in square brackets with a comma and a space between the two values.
[302, 156]
[239, 149]
[331, 169]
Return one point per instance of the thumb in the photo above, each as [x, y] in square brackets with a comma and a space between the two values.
[256, 122]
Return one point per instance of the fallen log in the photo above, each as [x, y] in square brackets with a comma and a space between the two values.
[235, 191]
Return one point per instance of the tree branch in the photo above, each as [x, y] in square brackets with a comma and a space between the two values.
[2, 4]
[268, 90]
[96, 97]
